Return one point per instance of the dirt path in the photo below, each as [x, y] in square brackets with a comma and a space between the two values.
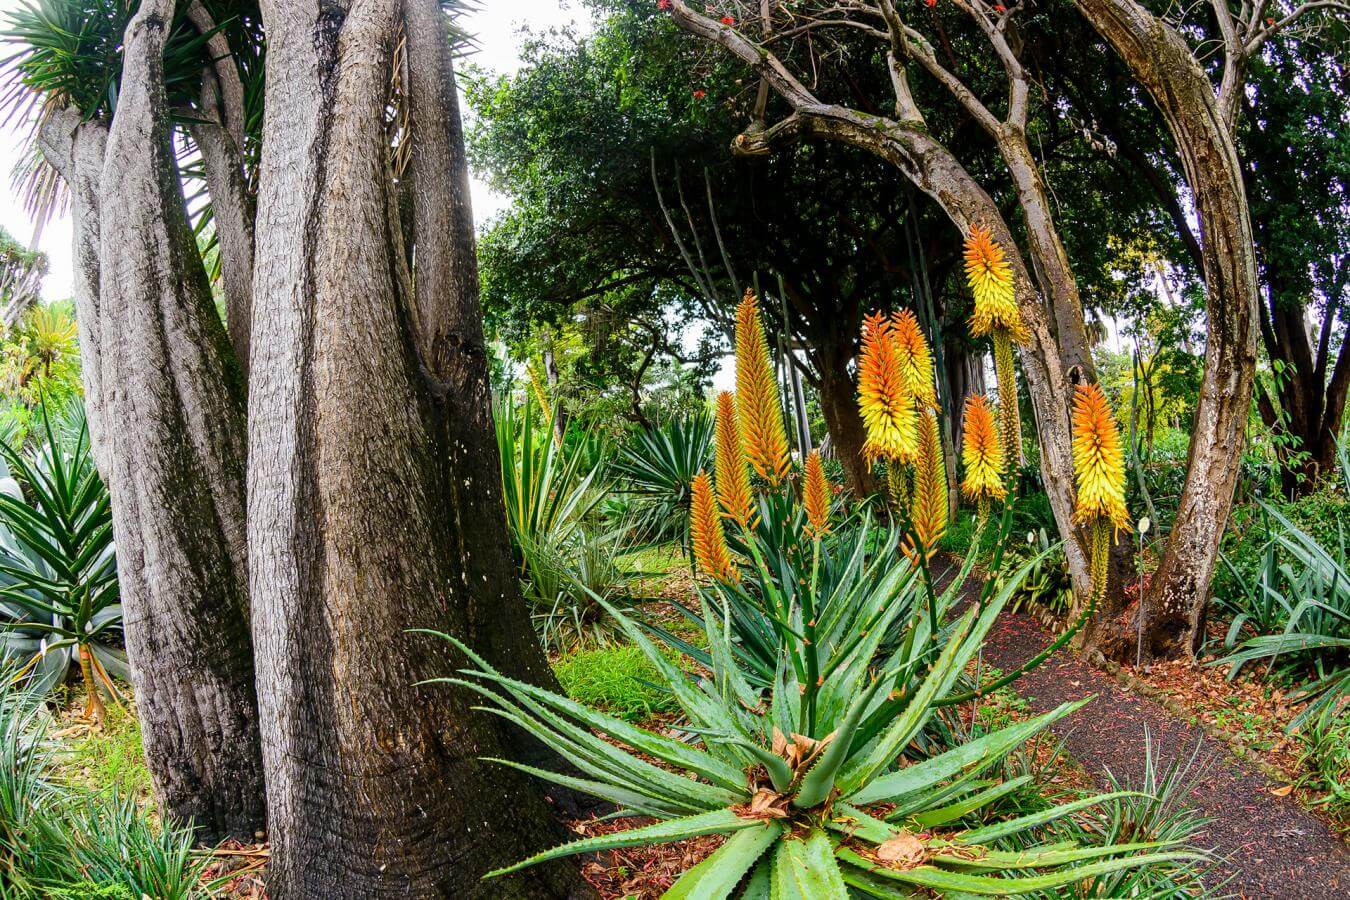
[1272, 846]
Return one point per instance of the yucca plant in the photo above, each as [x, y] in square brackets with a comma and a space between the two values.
[59, 596]
[567, 558]
[658, 467]
[819, 803]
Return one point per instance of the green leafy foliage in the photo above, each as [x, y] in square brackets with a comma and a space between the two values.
[657, 466]
[1301, 611]
[567, 554]
[58, 571]
[57, 840]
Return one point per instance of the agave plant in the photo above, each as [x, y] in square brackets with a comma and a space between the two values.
[59, 604]
[658, 467]
[815, 802]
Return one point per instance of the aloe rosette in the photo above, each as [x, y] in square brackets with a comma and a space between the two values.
[825, 808]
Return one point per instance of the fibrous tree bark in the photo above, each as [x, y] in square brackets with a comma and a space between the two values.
[166, 407]
[370, 491]
[1201, 123]
[905, 142]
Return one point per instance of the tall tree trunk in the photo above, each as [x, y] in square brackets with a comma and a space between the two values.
[839, 403]
[362, 490]
[169, 402]
[1162, 61]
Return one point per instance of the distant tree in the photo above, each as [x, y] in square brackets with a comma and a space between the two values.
[21, 274]
[631, 216]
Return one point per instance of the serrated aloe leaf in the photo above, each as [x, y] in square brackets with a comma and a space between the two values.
[717, 876]
[675, 752]
[1040, 858]
[631, 800]
[759, 886]
[775, 765]
[866, 885]
[719, 821]
[853, 822]
[819, 780]
[983, 751]
[806, 870]
[988, 885]
[1022, 823]
[941, 816]
[895, 737]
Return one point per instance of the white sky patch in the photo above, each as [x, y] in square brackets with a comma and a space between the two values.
[497, 29]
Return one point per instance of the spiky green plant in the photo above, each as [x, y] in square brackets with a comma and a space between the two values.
[59, 595]
[657, 467]
[812, 807]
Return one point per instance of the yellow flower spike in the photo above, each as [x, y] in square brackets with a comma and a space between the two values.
[816, 497]
[1098, 460]
[733, 474]
[915, 358]
[757, 400]
[991, 281]
[711, 554]
[1010, 417]
[981, 452]
[888, 410]
[928, 506]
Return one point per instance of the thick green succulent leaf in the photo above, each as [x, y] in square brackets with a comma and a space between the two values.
[717, 876]
[980, 799]
[806, 870]
[819, 780]
[630, 800]
[1040, 857]
[983, 751]
[947, 882]
[720, 821]
[759, 886]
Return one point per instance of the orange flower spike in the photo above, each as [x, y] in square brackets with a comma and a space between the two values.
[887, 407]
[916, 358]
[991, 281]
[816, 497]
[928, 509]
[1098, 460]
[733, 475]
[981, 452]
[757, 400]
[711, 554]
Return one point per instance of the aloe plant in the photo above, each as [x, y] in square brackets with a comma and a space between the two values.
[824, 807]
[59, 596]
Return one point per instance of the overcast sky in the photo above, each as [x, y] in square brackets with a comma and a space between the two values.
[496, 28]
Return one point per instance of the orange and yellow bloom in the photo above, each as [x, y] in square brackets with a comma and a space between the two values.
[1098, 460]
[733, 475]
[757, 400]
[711, 554]
[928, 507]
[991, 281]
[915, 358]
[888, 409]
[981, 452]
[816, 497]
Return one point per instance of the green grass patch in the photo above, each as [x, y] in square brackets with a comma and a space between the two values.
[111, 758]
[652, 561]
[618, 680]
